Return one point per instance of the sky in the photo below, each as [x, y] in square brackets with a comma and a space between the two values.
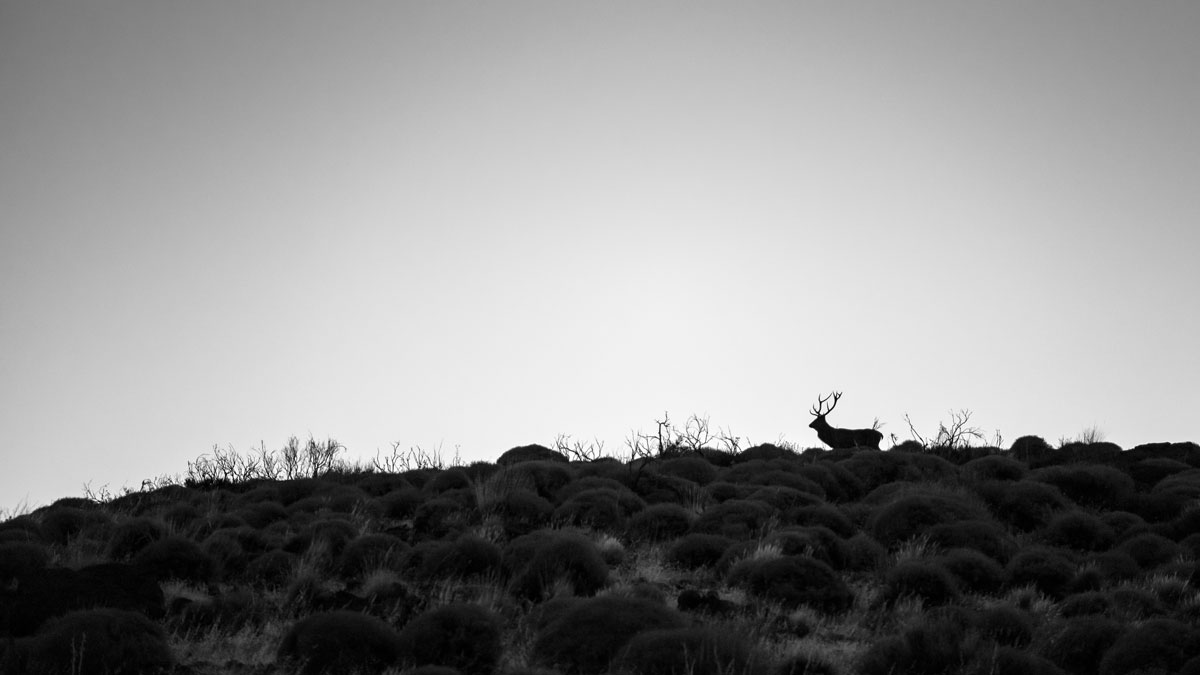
[480, 225]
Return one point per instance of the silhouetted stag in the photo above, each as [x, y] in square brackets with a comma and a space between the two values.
[841, 438]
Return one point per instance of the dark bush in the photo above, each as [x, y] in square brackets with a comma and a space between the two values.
[694, 551]
[782, 497]
[329, 537]
[61, 523]
[1114, 566]
[1150, 471]
[93, 641]
[832, 479]
[586, 635]
[1134, 604]
[1033, 450]
[1162, 644]
[823, 515]
[1006, 660]
[1005, 625]
[1089, 485]
[440, 516]
[548, 477]
[815, 541]
[522, 512]
[176, 557]
[1123, 523]
[1085, 603]
[133, 535]
[793, 581]
[912, 515]
[448, 479]
[558, 557]
[937, 644]
[338, 642]
[1078, 644]
[1078, 530]
[468, 556]
[370, 552]
[722, 491]
[692, 600]
[688, 651]
[401, 503]
[974, 571]
[599, 508]
[736, 519]
[920, 579]
[660, 522]
[1150, 550]
[764, 452]
[1024, 504]
[1044, 568]
[864, 553]
[985, 536]
[271, 569]
[21, 558]
[54, 592]
[994, 467]
[696, 469]
[462, 636]
[262, 514]
[530, 453]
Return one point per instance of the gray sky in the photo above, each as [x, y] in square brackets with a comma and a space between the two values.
[482, 224]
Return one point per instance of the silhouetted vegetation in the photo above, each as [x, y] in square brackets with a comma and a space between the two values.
[685, 554]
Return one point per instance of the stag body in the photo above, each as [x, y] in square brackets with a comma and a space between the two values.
[841, 438]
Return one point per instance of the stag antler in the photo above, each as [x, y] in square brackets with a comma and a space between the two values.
[821, 404]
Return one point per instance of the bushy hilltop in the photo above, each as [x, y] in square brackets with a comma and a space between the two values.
[1079, 559]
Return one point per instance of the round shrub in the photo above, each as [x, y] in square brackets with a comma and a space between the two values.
[806, 664]
[1089, 485]
[1005, 625]
[696, 469]
[1044, 568]
[547, 477]
[912, 515]
[994, 467]
[1150, 471]
[437, 517]
[370, 552]
[113, 640]
[938, 643]
[782, 497]
[694, 551]
[271, 569]
[660, 522]
[1113, 566]
[736, 519]
[448, 479]
[1078, 530]
[262, 514]
[401, 503]
[587, 635]
[815, 541]
[468, 556]
[338, 642]
[688, 651]
[176, 558]
[823, 515]
[133, 535]
[560, 557]
[864, 553]
[1024, 504]
[329, 537]
[61, 523]
[21, 558]
[1078, 644]
[1085, 603]
[920, 579]
[530, 453]
[1123, 523]
[1163, 644]
[462, 636]
[1031, 450]
[793, 581]
[1150, 550]
[599, 508]
[974, 571]
[522, 512]
[985, 536]
[722, 491]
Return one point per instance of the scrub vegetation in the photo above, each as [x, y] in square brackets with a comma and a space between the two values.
[684, 555]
